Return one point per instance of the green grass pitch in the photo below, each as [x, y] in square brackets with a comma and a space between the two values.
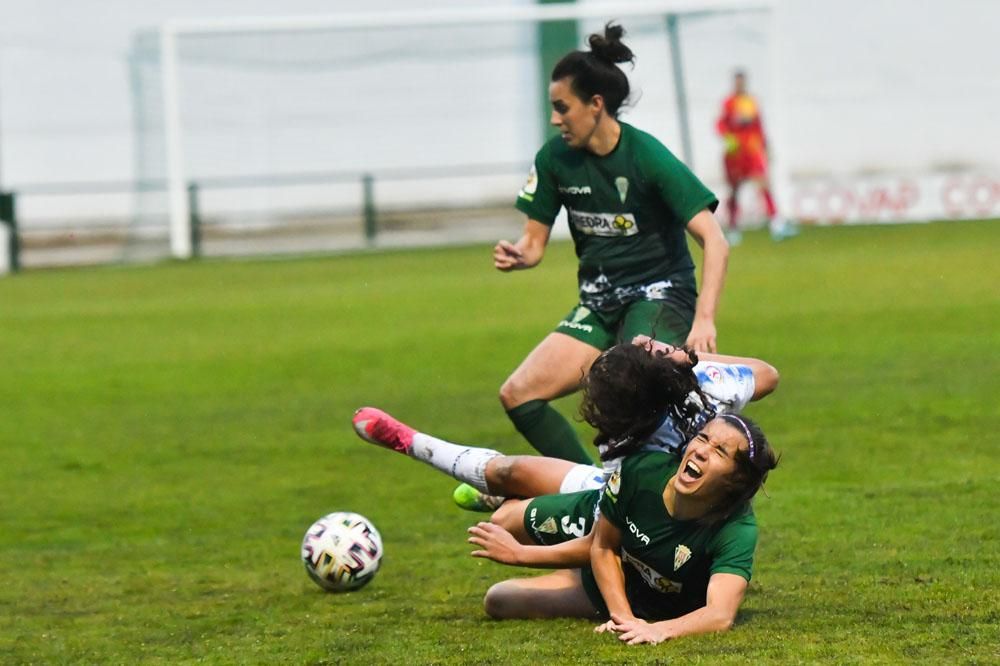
[167, 433]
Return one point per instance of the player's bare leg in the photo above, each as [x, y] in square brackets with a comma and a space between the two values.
[466, 463]
[513, 476]
[527, 476]
[553, 369]
[557, 594]
[491, 476]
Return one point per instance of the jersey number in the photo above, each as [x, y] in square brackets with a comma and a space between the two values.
[577, 529]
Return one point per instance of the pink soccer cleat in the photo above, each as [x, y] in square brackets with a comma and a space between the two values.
[375, 426]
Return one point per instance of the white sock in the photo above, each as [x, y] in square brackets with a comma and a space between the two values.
[465, 463]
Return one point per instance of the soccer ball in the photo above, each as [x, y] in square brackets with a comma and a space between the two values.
[342, 551]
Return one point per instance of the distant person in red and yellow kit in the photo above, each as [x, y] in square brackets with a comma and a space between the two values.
[746, 157]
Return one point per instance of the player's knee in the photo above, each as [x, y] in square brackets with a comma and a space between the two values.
[509, 516]
[512, 393]
[501, 601]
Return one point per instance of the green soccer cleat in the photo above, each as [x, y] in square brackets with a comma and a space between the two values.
[471, 499]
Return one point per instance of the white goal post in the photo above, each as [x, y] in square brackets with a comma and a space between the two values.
[173, 89]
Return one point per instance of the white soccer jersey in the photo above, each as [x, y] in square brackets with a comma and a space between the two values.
[728, 387]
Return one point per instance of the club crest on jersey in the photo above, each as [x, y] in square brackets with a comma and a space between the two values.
[548, 526]
[621, 184]
[681, 555]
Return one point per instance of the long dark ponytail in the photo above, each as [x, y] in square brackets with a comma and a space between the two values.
[596, 72]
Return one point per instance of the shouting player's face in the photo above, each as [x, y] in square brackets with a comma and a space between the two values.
[576, 119]
[708, 461]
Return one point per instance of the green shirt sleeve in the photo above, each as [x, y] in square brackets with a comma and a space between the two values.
[682, 193]
[733, 547]
[539, 198]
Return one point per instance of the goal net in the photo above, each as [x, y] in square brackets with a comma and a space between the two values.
[320, 133]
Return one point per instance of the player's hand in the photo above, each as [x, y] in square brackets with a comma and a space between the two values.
[506, 256]
[606, 627]
[495, 543]
[702, 336]
[677, 354]
[634, 631]
[653, 346]
[645, 341]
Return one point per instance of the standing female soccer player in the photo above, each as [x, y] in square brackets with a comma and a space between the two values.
[629, 202]
[745, 158]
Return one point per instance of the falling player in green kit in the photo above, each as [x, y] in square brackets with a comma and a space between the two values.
[672, 550]
[630, 204]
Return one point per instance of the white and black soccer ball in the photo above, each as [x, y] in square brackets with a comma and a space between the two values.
[342, 551]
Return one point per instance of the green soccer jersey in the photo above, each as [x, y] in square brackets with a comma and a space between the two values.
[627, 214]
[668, 562]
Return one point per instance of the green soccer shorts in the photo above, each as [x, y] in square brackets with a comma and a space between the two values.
[552, 519]
[666, 321]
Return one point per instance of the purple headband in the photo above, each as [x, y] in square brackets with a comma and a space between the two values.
[730, 418]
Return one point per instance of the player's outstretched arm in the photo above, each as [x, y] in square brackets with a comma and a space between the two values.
[497, 544]
[527, 252]
[765, 375]
[725, 594]
[607, 567]
[706, 231]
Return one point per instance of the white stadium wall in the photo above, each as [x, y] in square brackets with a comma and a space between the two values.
[894, 198]
[888, 108]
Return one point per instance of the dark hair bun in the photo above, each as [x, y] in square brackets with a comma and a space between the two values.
[609, 47]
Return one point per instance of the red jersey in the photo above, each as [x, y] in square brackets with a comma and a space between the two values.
[746, 147]
[741, 119]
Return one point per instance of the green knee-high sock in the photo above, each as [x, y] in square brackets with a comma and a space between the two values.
[547, 431]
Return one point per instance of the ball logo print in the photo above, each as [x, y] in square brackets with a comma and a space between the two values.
[342, 551]
[622, 222]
